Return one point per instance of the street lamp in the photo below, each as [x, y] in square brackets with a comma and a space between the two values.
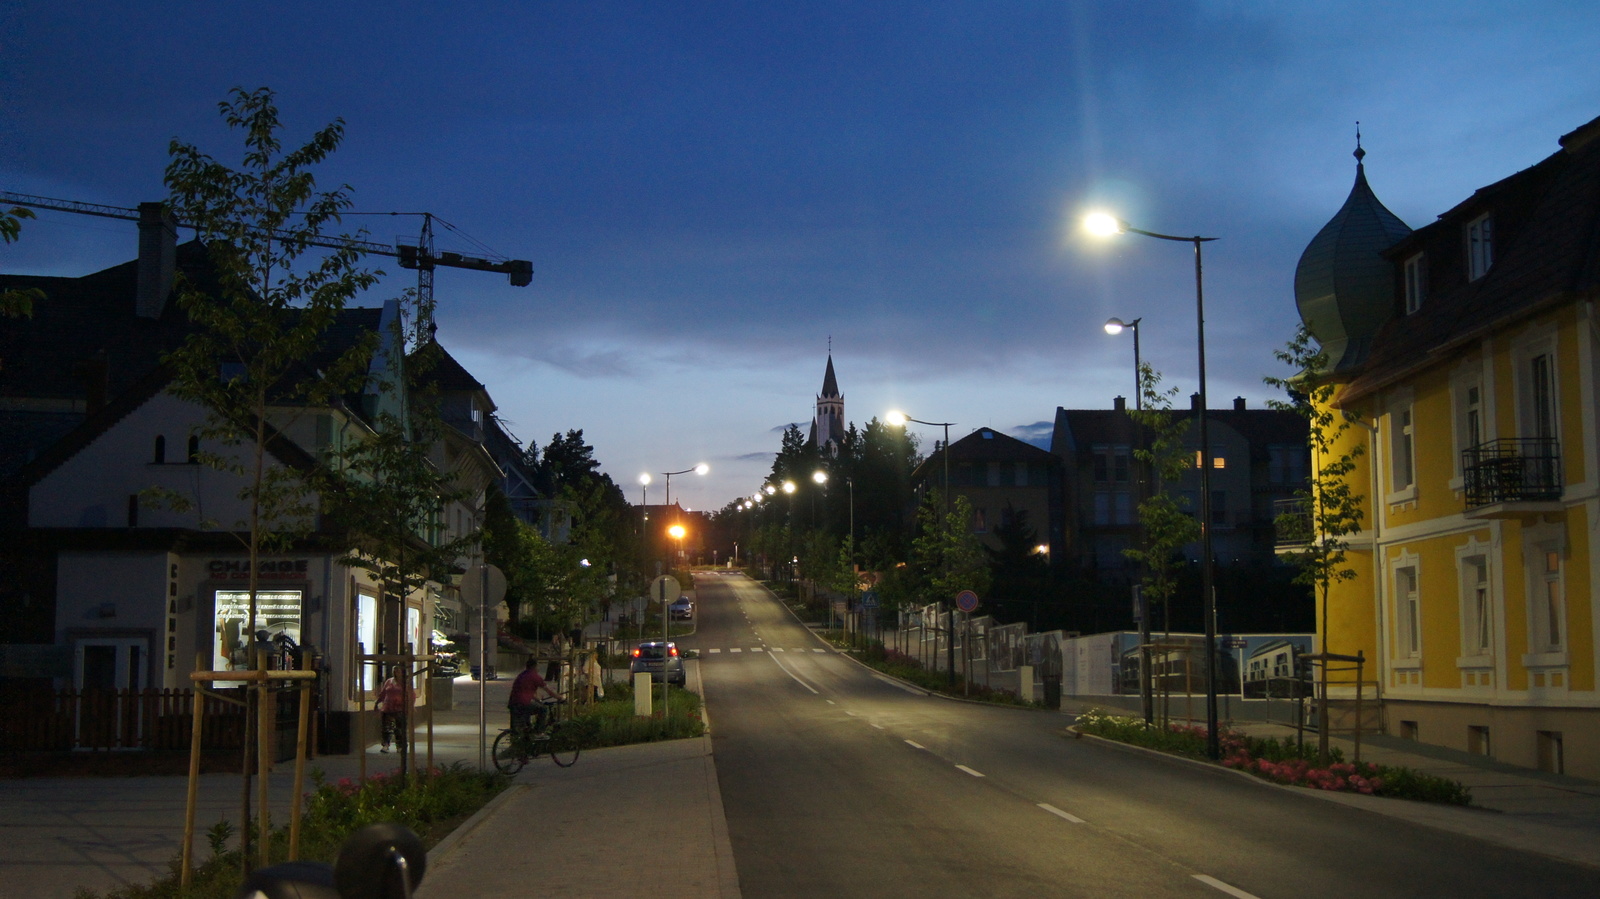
[898, 419]
[1115, 326]
[1104, 225]
[702, 468]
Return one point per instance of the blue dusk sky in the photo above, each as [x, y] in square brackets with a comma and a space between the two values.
[711, 191]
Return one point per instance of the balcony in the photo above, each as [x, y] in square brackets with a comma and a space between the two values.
[1512, 477]
[1291, 521]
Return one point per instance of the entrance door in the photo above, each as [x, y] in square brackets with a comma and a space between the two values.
[109, 675]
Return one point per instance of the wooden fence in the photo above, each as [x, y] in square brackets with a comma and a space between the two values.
[116, 719]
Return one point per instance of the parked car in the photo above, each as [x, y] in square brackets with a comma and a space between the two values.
[655, 658]
[682, 607]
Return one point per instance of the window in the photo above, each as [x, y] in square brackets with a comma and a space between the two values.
[161, 450]
[1219, 507]
[1102, 508]
[1550, 607]
[1477, 607]
[1021, 474]
[1480, 247]
[1408, 617]
[1286, 464]
[194, 449]
[980, 520]
[1416, 276]
[1122, 507]
[1478, 740]
[1402, 464]
[1541, 382]
[991, 474]
[1111, 463]
[1102, 463]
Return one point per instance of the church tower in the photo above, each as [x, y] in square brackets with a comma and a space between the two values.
[827, 428]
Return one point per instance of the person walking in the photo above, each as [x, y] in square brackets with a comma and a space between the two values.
[394, 702]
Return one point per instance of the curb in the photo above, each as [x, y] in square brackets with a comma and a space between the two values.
[447, 845]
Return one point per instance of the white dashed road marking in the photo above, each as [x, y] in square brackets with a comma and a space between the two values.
[970, 771]
[736, 649]
[1060, 814]
[915, 745]
[1219, 885]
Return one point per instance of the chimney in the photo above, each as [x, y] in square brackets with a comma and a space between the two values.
[1238, 404]
[158, 257]
[1194, 402]
[1119, 404]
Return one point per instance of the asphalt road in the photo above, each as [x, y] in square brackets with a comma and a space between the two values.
[839, 782]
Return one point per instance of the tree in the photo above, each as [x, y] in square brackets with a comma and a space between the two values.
[253, 343]
[16, 302]
[1166, 525]
[1330, 507]
[946, 552]
[1019, 574]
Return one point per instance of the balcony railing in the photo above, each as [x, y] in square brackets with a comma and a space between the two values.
[1521, 469]
[1291, 519]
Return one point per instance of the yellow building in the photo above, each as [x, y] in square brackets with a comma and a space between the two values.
[1471, 350]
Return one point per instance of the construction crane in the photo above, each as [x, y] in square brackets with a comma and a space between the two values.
[420, 256]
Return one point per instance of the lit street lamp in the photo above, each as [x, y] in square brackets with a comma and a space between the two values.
[898, 419]
[1115, 326]
[1104, 225]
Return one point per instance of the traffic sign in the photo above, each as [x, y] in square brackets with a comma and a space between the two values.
[1234, 642]
[869, 600]
[967, 601]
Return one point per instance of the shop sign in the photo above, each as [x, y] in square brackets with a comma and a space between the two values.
[266, 569]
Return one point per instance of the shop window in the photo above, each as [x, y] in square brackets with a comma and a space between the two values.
[277, 612]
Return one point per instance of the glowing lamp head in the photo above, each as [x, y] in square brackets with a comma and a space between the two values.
[788, 486]
[1103, 224]
[677, 531]
[821, 477]
[896, 418]
[1115, 325]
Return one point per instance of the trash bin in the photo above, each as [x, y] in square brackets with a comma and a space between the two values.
[1052, 692]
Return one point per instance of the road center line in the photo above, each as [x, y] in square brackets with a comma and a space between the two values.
[1061, 814]
[1219, 885]
[970, 771]
[796, 677]
[915, 745]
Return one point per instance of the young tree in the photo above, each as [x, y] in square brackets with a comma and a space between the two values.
[1330, 507]
[253, 341]
[1166, 525]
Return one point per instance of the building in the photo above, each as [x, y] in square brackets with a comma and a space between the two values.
[1469, 349]
[1258, 459]
[108, 590]
[828, 425]
[1005, 480]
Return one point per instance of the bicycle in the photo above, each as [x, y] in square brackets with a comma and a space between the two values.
[516, 746]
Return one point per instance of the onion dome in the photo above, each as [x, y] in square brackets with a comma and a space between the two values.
[1343, 286]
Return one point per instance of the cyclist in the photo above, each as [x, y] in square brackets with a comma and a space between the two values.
[525, 702]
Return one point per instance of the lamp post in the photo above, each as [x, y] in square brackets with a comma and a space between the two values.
[702, 468]
[1116, 326]
[899, 419]
[1105, 225]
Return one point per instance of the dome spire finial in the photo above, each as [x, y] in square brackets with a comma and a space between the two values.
[1359, 154]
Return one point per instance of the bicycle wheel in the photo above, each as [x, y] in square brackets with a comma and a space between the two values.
[564, 745]
[509, 754]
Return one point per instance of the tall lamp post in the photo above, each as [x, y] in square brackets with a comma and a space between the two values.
[1104, 225]
[1115, 326]
[702, 468]
[899, 419]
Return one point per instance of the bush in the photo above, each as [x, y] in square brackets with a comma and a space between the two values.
[1281, 761]
[612, 722]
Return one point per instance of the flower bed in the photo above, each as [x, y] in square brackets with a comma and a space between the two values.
[1280, 761]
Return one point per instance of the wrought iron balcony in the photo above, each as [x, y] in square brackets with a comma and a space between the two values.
[1511, 470]
[1291, 520]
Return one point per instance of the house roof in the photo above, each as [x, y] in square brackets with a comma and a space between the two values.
[1546, 250]
[1078, 429]
[987, 445]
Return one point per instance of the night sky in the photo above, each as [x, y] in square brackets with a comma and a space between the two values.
[711, 191]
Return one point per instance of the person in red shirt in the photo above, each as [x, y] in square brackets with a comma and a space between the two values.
[394, 701]
[525, 691]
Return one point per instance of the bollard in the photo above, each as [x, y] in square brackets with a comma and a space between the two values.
[641, 694]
